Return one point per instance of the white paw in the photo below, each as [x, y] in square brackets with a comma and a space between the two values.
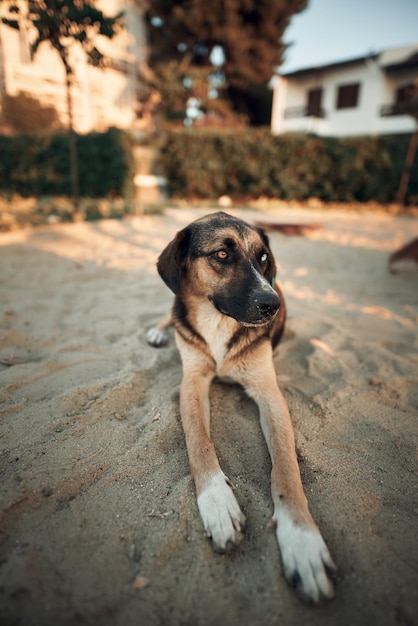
[220, 513]
[306, 560]
[157, 337]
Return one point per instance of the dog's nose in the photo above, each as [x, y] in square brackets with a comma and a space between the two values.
[268, 304]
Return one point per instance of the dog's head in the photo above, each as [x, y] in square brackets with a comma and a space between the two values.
[225, 260]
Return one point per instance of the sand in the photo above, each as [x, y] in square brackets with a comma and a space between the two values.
[99, 522]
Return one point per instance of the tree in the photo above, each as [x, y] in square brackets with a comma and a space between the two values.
[247, 32]
[409, 105]
[64, 23]
[185, 88]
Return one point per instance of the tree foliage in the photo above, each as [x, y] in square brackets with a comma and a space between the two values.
[248, 32]
[181, 82]
[62, 22]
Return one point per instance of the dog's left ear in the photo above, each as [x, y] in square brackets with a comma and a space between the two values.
[172, 259]
[270, 271]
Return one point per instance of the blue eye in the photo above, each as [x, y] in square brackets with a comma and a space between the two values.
[264, 257]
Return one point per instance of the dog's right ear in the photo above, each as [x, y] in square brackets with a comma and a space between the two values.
[172, 260]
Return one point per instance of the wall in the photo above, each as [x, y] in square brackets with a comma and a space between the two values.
[376, 89]
[102, 98]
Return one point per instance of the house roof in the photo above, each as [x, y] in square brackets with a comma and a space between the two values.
[399, 58]
[390, 59]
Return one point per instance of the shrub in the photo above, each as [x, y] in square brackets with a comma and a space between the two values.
[242, 162]
[40, 164]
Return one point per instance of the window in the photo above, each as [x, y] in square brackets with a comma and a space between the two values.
[314, 102]
[347, 96]
[402, 102]
[403, 94]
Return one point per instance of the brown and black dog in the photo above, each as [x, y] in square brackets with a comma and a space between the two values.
[228, 315]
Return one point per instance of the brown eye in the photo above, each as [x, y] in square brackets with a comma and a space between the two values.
[222, 255]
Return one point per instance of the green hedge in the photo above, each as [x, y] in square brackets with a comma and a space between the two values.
[253, 162]
[34, 165]
[209, 163]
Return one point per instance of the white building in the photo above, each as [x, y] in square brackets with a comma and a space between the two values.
[359, 96]
[101, 98]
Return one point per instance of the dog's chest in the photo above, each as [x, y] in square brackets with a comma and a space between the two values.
[216, 329]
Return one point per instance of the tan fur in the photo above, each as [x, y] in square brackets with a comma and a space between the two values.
[214, 344]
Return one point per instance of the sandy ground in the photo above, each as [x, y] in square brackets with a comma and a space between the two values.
[99, 522]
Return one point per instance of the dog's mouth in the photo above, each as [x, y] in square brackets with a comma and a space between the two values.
[259, 314]
[260, 322]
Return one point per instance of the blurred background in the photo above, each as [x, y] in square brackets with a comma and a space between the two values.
[139, 101]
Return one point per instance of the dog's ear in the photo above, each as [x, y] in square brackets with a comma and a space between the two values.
[172, 260]
[270, 271]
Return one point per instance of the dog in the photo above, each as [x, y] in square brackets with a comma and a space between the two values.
[404, 258]
[229, 314]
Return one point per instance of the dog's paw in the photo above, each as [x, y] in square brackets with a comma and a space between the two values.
[157, 337]
[220, 513]
[307, 563]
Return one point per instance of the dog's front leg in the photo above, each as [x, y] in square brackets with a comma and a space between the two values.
[220, 512]
[306, 560]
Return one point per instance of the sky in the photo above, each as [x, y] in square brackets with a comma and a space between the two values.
[337, 30]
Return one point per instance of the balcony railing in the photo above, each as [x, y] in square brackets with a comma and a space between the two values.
[295, 112]
[387, 110]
